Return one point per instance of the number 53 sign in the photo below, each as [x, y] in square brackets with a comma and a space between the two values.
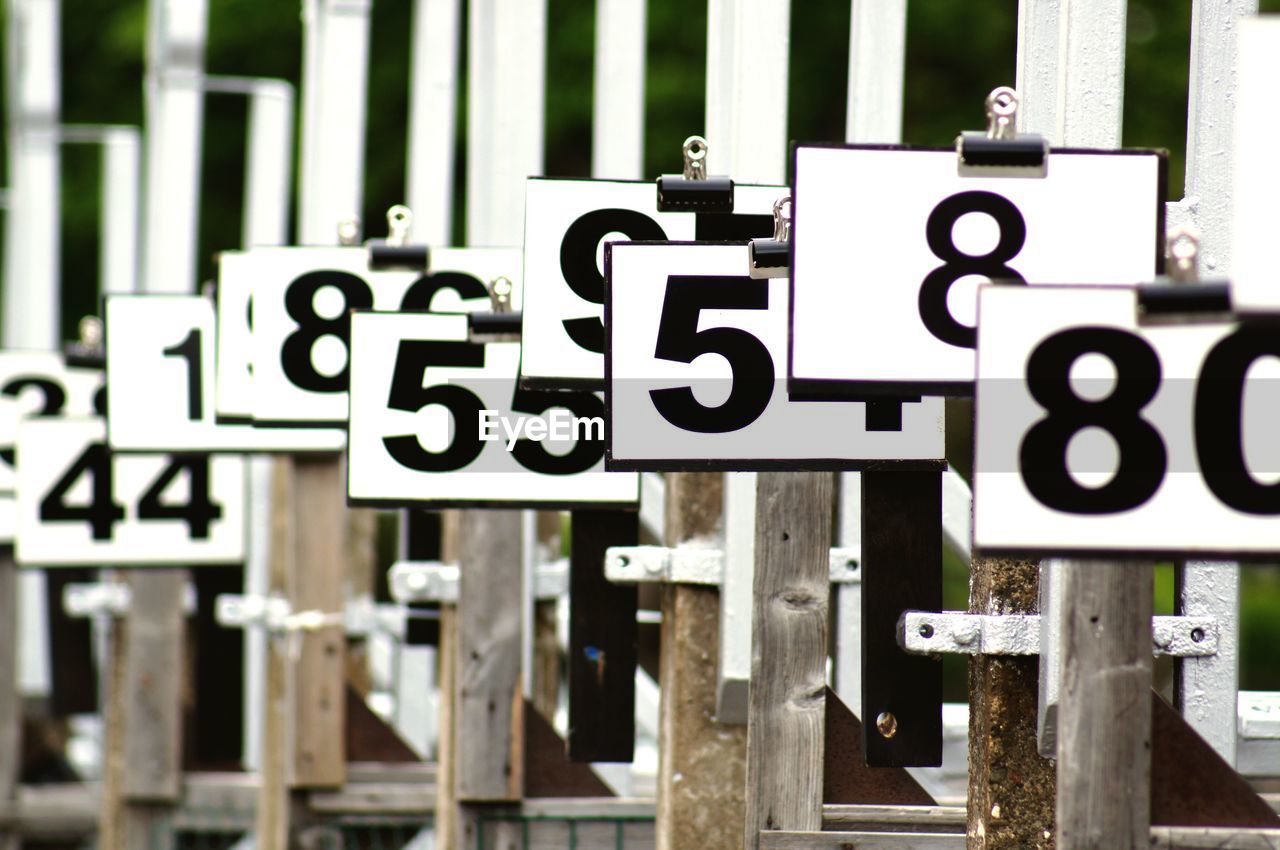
[1098, 434]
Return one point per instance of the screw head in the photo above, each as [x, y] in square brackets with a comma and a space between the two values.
[886, 724]
[1197, 634]
[926, 631]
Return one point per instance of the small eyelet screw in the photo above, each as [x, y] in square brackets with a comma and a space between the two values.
[886, 724]
[1183, 249]
[1002, 112]
[500, 289]
[695, 158]
[399, 223]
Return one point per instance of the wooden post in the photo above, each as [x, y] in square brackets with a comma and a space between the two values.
[142, 764]
[10, 697]
[701, 763]
[316, 584]
[1104, 711]
[489, 719]
[272, 823]
[786, 719]
[1011, 786]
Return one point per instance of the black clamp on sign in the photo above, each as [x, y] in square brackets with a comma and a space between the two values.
[1001, 149]
[694, 191]
[501, 325]
[772, 257]
[1183, 297]
[395, 253]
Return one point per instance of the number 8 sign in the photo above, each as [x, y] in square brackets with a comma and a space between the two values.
[1099, 434]
[890, 245]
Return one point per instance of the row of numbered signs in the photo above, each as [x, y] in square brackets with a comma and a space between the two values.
[648, 342]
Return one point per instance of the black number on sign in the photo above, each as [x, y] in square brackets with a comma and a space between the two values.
[299, 302]
[53, 398]
[102, 512]
[408, 394]
[679, 340]
[189, 350]
[587, 451]
[578, 263]
[1043, 454]
[198, 511]
[420, 295]
[956, 264]
[1219, 421]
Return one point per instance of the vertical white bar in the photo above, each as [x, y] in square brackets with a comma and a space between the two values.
[877, 57]
[508, 42]
[31, 262]
[1208, 686]
[268, 164]
[530, 554]
[721, 20]
[432, 119]
[257, 583]
[1037, 74]
[848, 636]
[121, 179]
[336, 68]
[1091, 38]
[734, 672]
[759, 86]
[175, 112]
[617, 140]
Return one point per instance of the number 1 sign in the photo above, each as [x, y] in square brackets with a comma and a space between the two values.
[1100, 434]
[890, 243]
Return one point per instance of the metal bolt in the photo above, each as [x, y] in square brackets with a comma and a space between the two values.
[416, 581]
[653, 567]
[926, 631]
[851, 564]
[886, 724]
[1197, 634]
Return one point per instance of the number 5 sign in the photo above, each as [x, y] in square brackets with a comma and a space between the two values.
[1098, 434]
[890, 244]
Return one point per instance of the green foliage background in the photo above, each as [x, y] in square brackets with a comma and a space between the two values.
[957, 50]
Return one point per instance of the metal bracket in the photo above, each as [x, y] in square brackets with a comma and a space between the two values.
[432, 581]
[360, 617]
[956, 632]
[109, 599]
[693, 565]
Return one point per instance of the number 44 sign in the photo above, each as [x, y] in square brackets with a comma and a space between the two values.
[80, 504]
[1098, 433]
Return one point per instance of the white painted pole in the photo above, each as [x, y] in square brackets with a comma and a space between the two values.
[433, 100]
[721, 20]
[1037, 76]
[1091, 37]
[31, 261]
[175, 113]
[268, 179]
[762, 36]
[877, 57]
[617, 139]
[507, 67]
[121, 184]
[848, 630]
[336, 53]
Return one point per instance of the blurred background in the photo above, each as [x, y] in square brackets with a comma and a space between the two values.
[957, 51]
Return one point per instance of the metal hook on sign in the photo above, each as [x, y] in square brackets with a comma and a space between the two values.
[1189, 299]
[349, 231]
[399, 223]
[395, 252]
[500, 289]
[1002, 109]
[694, 190]
[772, 257]
[1183, 248]
[501, 325]
[1000, 151]
[695, 158]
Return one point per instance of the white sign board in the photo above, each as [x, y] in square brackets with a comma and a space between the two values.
[302, 300]
[40, 384]
[1098, 435]
[892, 244]
[81, 504]
[160, 367]
[696, 367]
[438, 420]
[1255, 168]
[567, 224]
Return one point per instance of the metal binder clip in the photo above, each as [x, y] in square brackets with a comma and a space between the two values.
[395, 252]
[89, 351]
[694, 190]
[1001, 150]
[501, 325]
[1183, 297]
[772, 257]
